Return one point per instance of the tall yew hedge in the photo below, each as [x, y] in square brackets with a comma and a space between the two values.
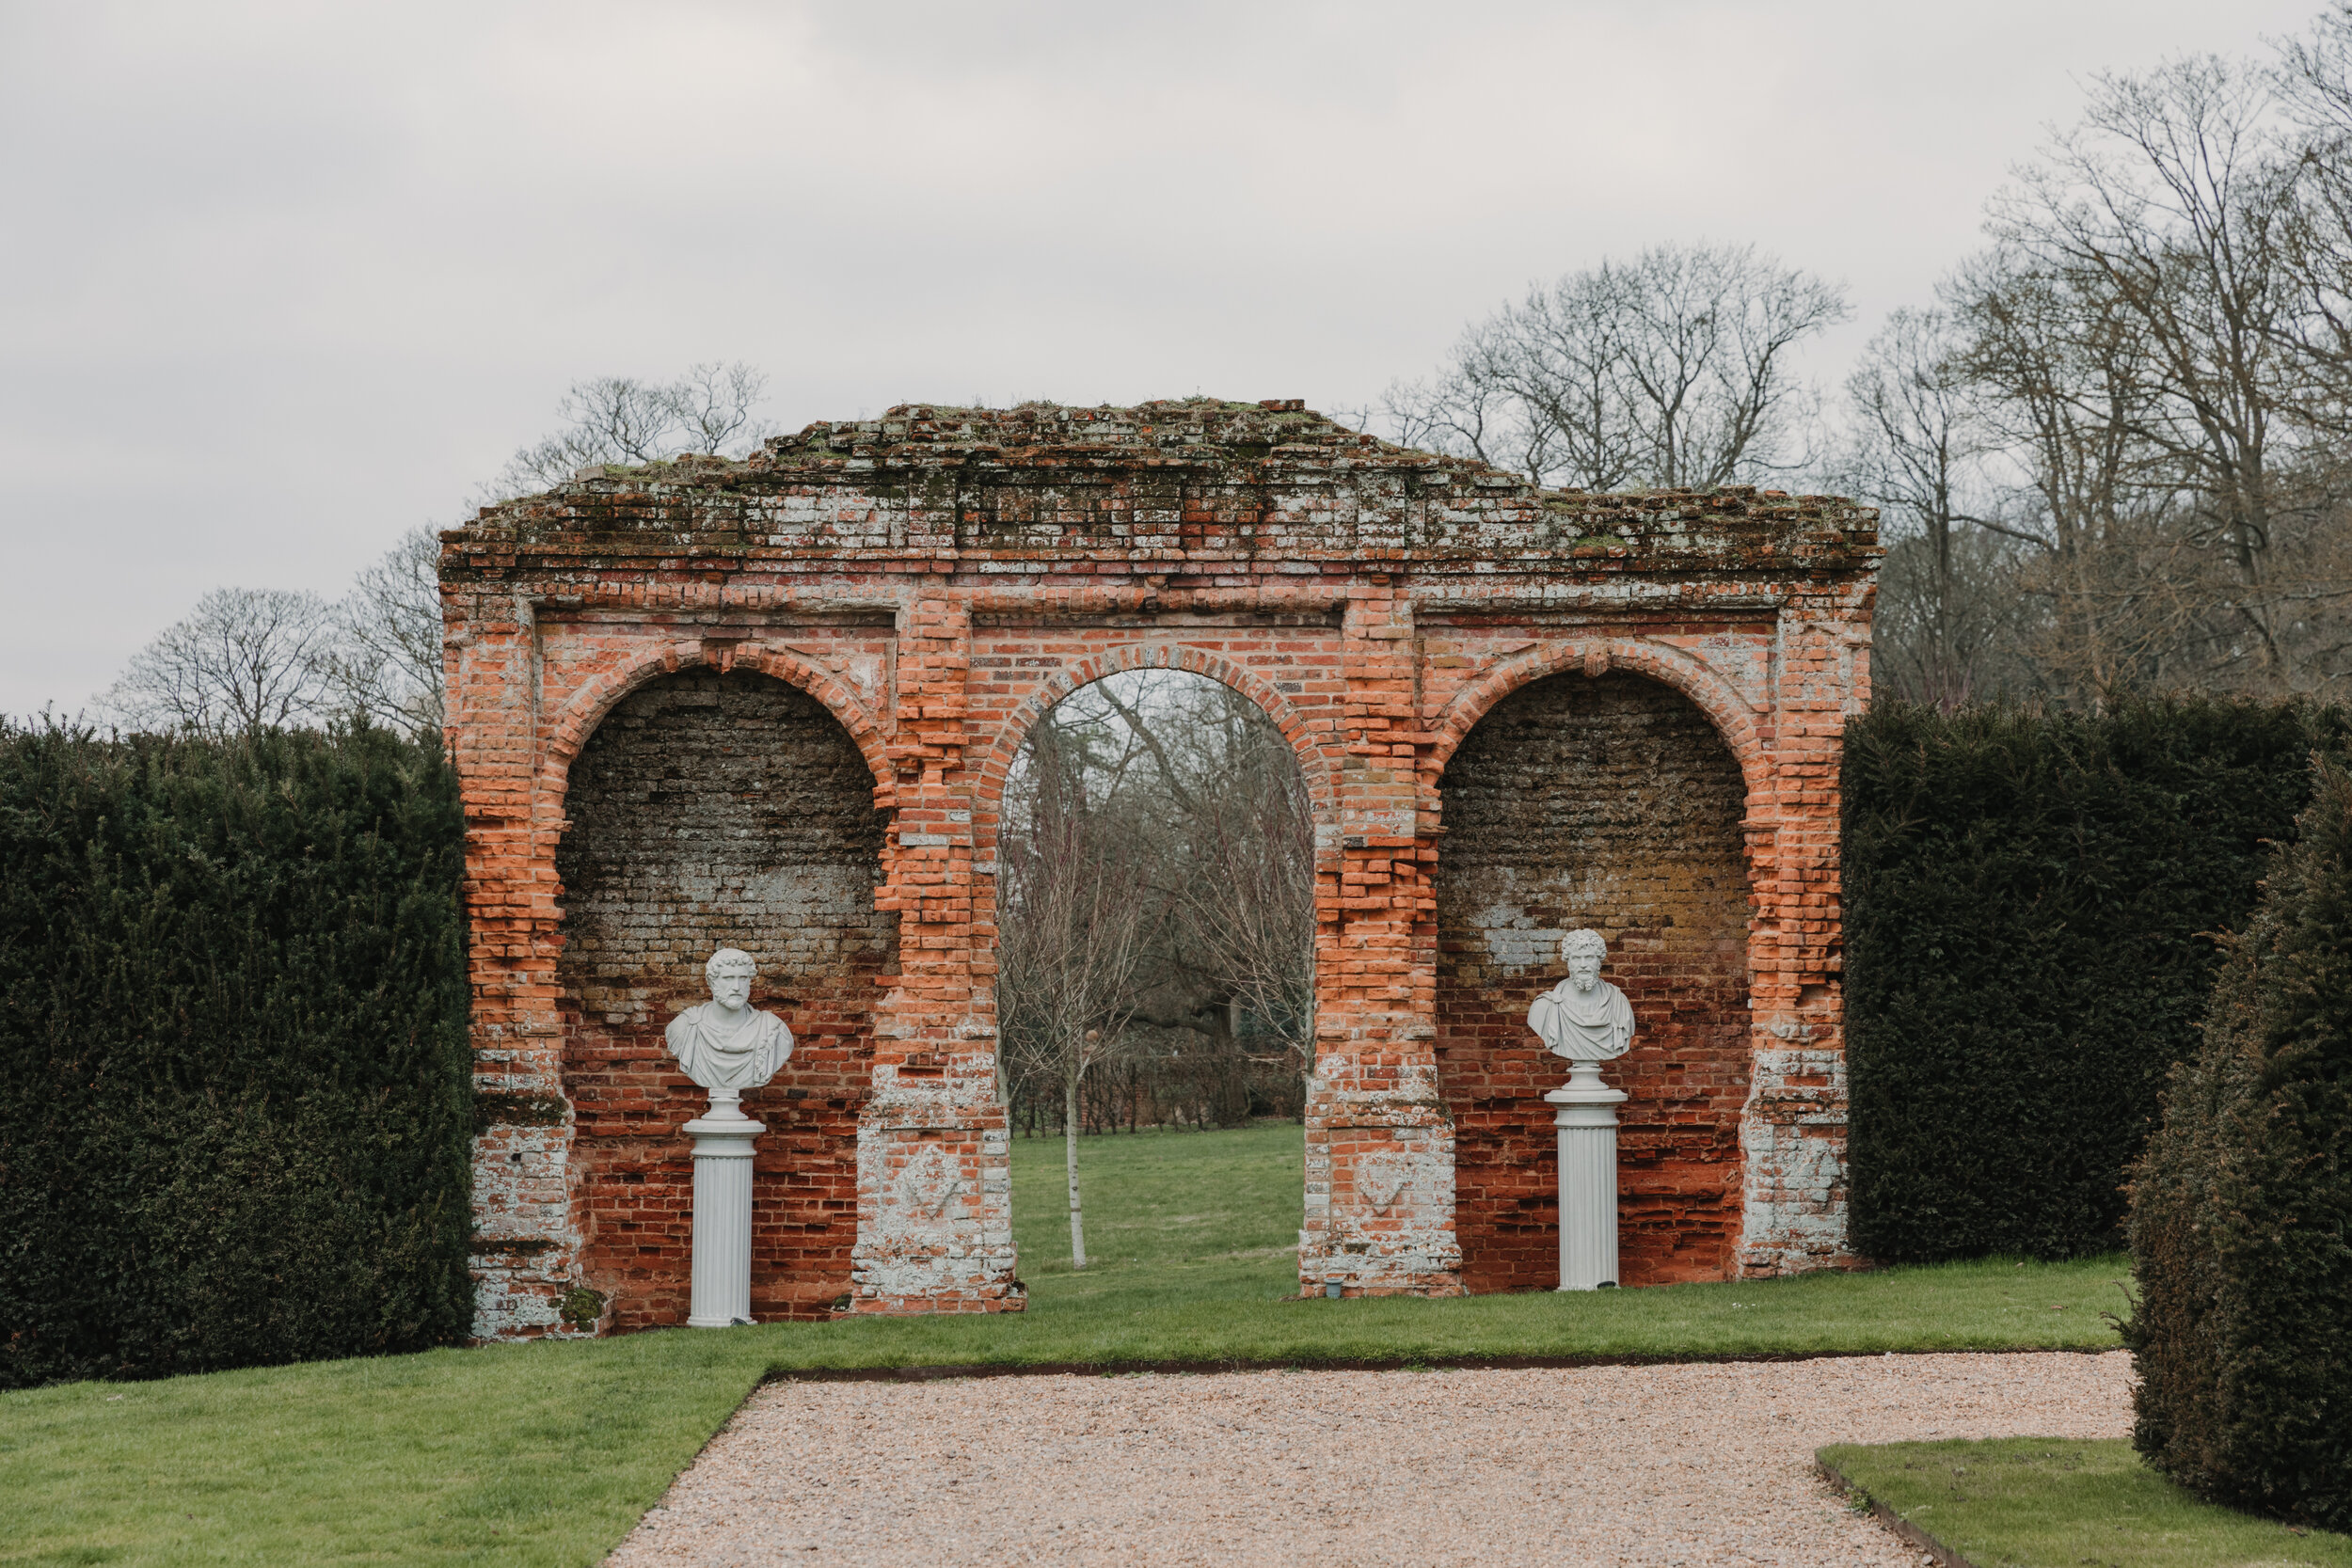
[2031, 906]
[233, 1082]
[2241, 1220]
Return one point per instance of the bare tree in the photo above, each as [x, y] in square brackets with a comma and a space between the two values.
[2313, 78]
[1912, 452]
[2125, 461]
[1156, 928]
[1239, 866]
[245, 659]
[1670, 370]
[2167, 213]
[2053, 374]
[711, 404]
[2150, 351]
[1469, 411]
[249, 659]
[1073, 930]
[619, 419]
[389, 664]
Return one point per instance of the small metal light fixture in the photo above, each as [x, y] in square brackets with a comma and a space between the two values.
[1332, 1286]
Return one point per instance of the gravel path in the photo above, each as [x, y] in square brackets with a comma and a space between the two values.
[1685, 1465]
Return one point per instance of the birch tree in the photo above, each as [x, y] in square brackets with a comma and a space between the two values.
[1156, 880]
[1071, 867]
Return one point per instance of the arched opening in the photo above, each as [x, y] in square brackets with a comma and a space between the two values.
[712, 810]
[1612, 803]
[1156, 950]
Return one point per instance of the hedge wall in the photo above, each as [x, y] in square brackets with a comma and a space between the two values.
[2030, 904]
[234, 1080]
[2242, 1208]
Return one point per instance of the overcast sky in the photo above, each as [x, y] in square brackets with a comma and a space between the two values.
[278, 282]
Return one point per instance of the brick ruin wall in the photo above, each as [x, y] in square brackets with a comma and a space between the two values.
[1611, 803]
[934, 580]
[712, 811]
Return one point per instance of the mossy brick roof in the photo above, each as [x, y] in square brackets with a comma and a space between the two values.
[1195, 478]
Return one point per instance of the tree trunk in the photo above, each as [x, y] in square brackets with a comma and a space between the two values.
[1069, 1144]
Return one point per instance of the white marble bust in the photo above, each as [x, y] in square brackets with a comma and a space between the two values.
[725, 1044]
[1584, 1018]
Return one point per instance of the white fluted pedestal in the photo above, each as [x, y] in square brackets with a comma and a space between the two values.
[1587, 1121]
[723, 1215]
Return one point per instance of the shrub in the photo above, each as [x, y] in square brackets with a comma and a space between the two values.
[2027, 898]
[233, 1077]
[2242, 1202]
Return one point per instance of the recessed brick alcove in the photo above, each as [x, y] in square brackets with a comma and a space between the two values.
[713, 810]
[713, 701]
[1611, 803]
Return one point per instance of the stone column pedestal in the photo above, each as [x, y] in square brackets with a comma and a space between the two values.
[722, 1214]
[1586, 1117]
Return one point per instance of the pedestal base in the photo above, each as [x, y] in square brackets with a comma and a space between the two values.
[723, 1220]
[1587, 1122]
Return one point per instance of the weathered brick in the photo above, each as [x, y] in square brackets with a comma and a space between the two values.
[713, 810]
[1609, 803]
[932, 581]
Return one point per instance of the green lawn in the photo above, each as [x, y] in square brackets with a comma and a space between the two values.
[545, 1454]
[518, 1454]
[1191, 1233]
[2041, 1502]
[1172, 1218]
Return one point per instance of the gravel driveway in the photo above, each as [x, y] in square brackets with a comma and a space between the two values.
[1606, 1465]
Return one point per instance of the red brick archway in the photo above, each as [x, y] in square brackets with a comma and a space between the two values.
[1606, 802]
[717, 808]
[1190, 658]
[934, 578]
[630, 666]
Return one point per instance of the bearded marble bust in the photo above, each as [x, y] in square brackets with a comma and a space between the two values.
[1584, 1018]
[725, 1044]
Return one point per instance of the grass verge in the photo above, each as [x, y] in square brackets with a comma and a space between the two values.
[510, 1455]
[545, 1454]
[2043, 1502]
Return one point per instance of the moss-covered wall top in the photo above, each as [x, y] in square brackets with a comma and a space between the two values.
[1194, 481]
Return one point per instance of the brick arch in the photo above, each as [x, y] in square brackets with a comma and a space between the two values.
[772, 839]
[1673, 757]
[996, 767]
[1730, 713]
[568, 730]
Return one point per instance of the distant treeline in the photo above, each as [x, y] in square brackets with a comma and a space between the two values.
[2111, 451]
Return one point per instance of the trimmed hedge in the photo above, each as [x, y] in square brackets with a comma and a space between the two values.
[234, 1121]
[2030, 899]
[2242, 1208]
